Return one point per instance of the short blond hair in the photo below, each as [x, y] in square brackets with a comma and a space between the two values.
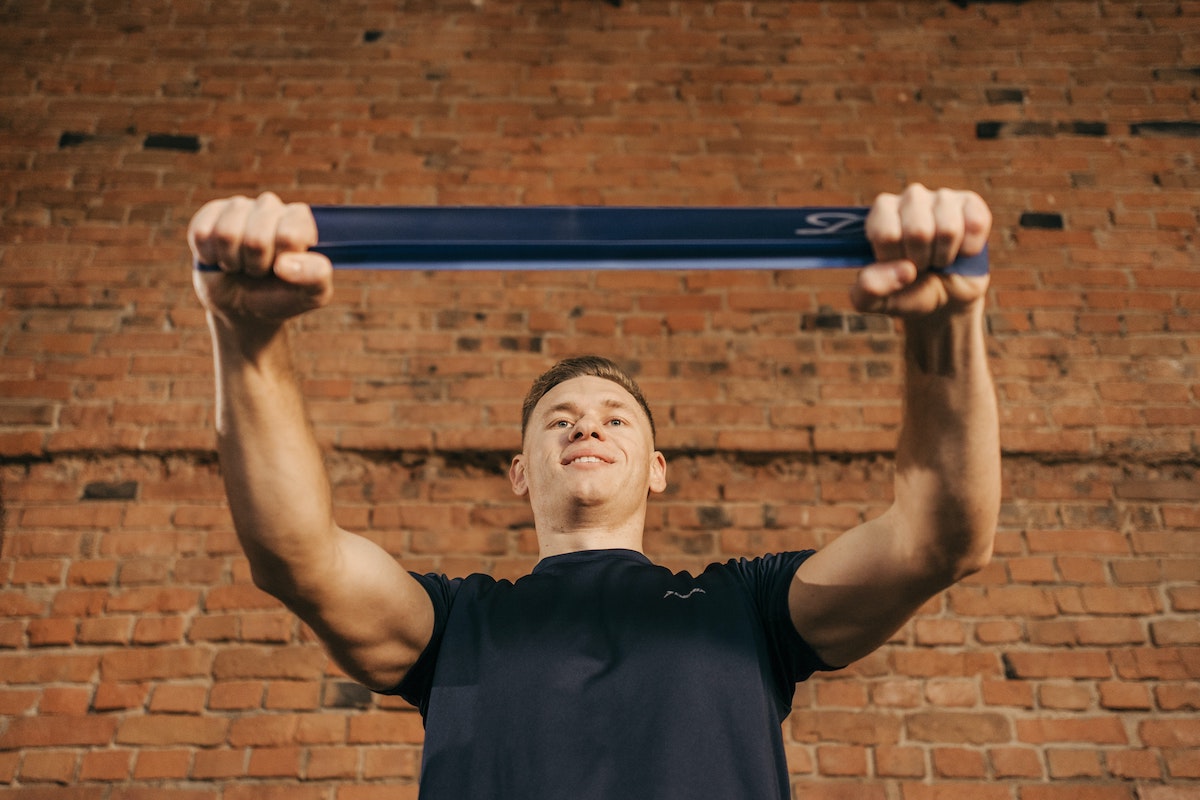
[579, 367]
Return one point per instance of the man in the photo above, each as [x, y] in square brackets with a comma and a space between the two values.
[601, 675]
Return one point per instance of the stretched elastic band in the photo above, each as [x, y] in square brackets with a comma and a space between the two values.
[598, 237]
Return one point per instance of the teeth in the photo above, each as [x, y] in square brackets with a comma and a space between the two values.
[586, 460]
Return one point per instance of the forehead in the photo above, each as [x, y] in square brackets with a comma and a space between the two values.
[584, 391]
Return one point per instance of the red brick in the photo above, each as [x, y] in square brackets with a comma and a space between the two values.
[1016, 762]
[117, 696]
[56, 766]
[1094, 730]
[274, 762]
[841, 761]
[76, 731]
[1075, 791]
[1177, 698]
[149, 664]
[947, 790]
[401, 791]
[1183, 764]
[958, 762]
[109, 766]
[48, 668]
[219, 764]
[64, 700]
[162, 764]
[326, 763]
[1133, 764]
[1170, 733]
[178, 699]
[50, 632]
[165, 730]
[391, 728]
[234, 695]
[275, 662]
[1068, 763]
[845, 727]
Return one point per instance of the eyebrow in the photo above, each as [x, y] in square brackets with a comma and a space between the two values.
[608, 402]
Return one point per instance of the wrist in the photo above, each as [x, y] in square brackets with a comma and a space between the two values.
[945, 342]
[244, 340]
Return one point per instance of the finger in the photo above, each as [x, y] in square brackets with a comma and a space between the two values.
[883, 228]
[879, 283]
[949, 227]
[977, 224]
[257, 250]
[200, 232]
[918, 224]
[228, 230]
[296, 230]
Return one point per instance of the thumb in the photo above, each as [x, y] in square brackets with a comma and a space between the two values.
[878, 283]
[305, 269]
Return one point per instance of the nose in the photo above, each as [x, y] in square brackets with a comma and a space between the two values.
[585, 427]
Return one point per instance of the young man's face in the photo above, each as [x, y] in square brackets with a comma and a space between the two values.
[588, 443]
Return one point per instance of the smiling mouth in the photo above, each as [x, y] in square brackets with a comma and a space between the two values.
[586, 460]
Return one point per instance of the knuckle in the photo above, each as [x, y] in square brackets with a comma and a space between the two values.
[296, 228]
[946, 236]
[225, 234]
[923, 232]
[254, 245]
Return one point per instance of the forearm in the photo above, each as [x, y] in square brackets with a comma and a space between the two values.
[271, 464]
[948, 455]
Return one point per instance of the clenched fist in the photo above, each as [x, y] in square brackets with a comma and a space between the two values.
[913, 232]
[254, 268]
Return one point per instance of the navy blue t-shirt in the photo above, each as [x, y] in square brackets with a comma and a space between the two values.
[601, 676]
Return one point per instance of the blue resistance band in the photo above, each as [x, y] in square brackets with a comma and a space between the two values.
[598, 238]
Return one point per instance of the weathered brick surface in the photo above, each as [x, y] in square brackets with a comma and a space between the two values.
[137, 660]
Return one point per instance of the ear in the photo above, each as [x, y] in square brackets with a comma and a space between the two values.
[516, 476]
[658, 472]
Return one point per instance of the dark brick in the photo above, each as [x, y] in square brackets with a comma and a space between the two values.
[1185, 128]
[1084, 128]
[988, 130]
[110, 490]
[73, 139]
[184, 143]
[1042, 220]
[1176, 73]
[1001, 96]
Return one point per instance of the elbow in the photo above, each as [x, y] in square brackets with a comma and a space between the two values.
[973, 553]
[951, 547]
[970, 564]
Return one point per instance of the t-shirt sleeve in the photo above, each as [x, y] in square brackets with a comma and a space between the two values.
[417, 683]
[769, 579]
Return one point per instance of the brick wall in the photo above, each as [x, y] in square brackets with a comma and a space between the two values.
[137, 660]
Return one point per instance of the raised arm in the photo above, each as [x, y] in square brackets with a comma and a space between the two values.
[372, 615]
[851, 596]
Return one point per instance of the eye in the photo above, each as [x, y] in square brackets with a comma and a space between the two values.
[560, 423]
[616, 421]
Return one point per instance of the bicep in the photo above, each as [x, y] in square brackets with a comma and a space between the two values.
[851, 596]
[374, 618]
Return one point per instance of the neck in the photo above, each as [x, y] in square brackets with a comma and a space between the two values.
[555, 540]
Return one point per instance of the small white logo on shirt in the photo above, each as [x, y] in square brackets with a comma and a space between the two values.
[684, 596]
